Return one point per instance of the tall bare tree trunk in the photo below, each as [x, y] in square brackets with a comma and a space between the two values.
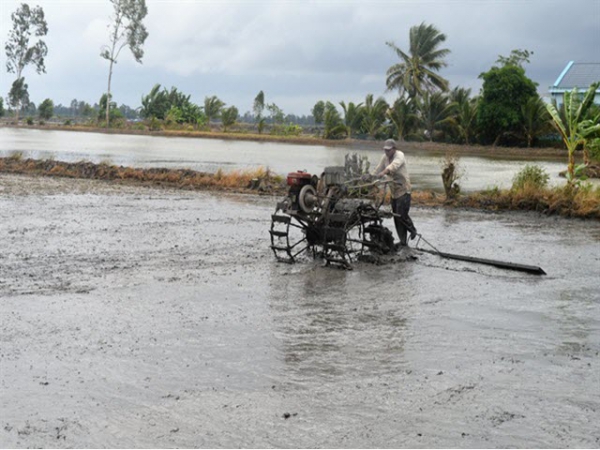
[108, 93]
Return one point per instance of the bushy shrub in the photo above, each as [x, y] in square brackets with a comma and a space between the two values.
[138, 126]
[286, 130]
[532, 176]
[593, 148]
[29, 121]
[155, 124]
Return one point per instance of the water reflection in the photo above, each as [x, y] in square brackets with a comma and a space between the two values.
[209, 155]
[333, 323]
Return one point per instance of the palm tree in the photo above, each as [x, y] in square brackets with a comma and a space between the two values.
[148, 101]
[436, 110]
[535, 118]
[212, 108]
[568, 124]
[352, 116]
[334, 127]
[403, 117]
[465, 114]
[416, 72]
[373, 115]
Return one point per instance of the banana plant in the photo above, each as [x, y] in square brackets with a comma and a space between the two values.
[590, 130]
[569, 126]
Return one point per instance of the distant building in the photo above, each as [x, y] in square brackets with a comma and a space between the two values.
[576, 75]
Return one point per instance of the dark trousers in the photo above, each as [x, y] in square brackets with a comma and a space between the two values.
[404, 223]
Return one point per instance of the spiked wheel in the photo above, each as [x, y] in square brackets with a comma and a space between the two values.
[291, 236]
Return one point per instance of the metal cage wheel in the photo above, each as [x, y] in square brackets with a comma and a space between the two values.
[291, 236]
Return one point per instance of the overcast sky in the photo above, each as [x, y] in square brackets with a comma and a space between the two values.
[297, 52]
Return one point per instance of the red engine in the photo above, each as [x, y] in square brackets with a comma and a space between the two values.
[298, 178]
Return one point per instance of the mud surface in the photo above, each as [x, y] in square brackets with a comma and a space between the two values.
[140, 317]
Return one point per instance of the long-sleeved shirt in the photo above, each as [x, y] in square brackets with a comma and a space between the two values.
[396, 169]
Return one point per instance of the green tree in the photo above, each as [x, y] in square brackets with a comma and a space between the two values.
[229, 117]
[403, 116]
[258, 107]
[26, 22]
[318, 112]
[192, 114]
[374, 115]
[435, 111]
[86, 109]
[505, 91]
[212, 108]
[465, 117]
[276, 113]
[353, 116]
[417, 71]
[590, 130]
[334, 126]
[18, 96]
[516, 58]
[171, 105]
[2, 110]
[174, 115]
[127, 29]
[114, 113]
[535, 119]
[46, 109]
[155, 104]
[570, 125]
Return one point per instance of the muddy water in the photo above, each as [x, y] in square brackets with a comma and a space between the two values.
[136, 317]
[210, 154]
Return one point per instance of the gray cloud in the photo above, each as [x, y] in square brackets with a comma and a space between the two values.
[298, 52]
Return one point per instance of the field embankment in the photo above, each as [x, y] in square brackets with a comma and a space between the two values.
[579, 201]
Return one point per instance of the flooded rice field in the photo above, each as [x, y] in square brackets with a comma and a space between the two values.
[142, 317]
[210, 155]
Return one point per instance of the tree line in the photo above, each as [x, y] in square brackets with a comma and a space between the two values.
[507, 111]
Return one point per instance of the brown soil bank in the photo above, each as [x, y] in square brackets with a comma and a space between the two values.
[580, 202]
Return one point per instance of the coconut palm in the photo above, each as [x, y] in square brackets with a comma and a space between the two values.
[403, 116]
[334, 126]
[416, 72]
[435, 110]
[465, 117]
[212, 108]
[352, 116]
[373, 115]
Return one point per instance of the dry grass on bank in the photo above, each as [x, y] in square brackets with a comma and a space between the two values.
[581, 202]
[567, 201]
[261, 179]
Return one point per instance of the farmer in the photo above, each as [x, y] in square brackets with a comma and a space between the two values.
[393, 164]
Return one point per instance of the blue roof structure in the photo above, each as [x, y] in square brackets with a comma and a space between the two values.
[577, 75]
